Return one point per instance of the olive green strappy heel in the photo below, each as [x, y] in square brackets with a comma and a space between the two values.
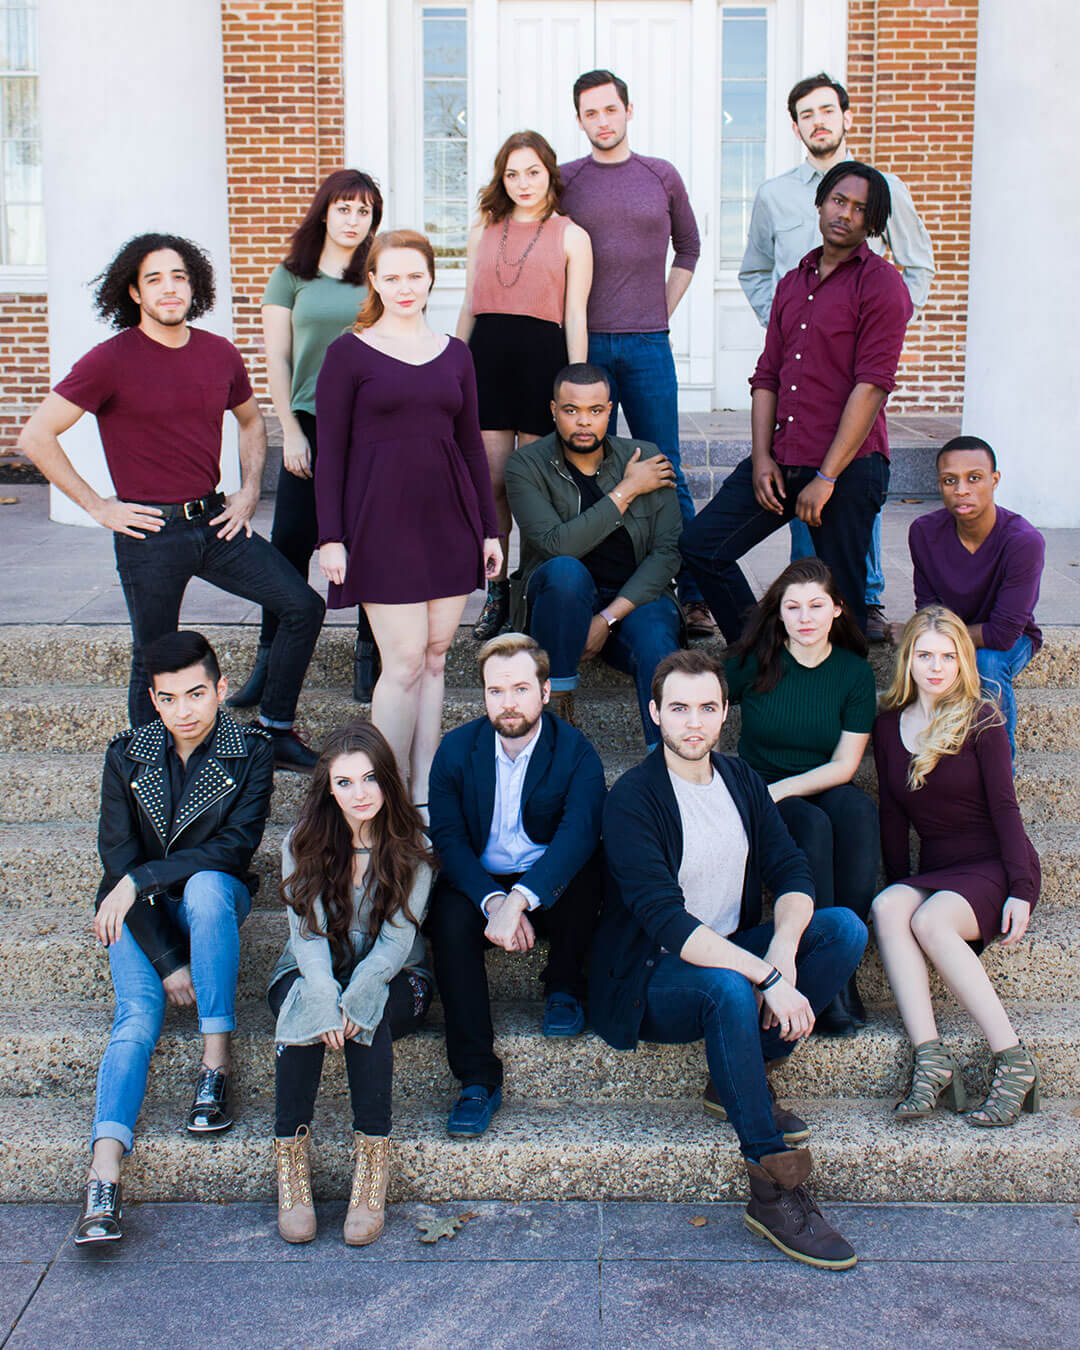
[934, 1074]
[1015, 1086]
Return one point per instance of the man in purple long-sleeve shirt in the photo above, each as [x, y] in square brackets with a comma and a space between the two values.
[983, 562]
[632, 207]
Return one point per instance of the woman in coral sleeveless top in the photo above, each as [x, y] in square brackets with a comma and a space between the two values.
[526, 292]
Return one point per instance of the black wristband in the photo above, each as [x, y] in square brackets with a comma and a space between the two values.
[773, 977]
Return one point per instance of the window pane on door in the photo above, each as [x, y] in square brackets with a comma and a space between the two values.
[744, 35]
[444, 30]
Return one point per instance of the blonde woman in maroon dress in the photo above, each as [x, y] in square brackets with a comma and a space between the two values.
[945, 767]
[527, 281]
[407, 523]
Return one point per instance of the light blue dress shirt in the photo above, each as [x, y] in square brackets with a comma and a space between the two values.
[509, 849]
[784, 228]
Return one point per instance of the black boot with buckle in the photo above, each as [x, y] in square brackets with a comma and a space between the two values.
[496, 612]
[366, 670]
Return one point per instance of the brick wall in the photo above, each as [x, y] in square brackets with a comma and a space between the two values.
[24, 362]
[911, 77]
[285, 130]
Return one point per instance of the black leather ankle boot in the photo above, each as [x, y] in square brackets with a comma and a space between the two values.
[252, 692]
[366, 670]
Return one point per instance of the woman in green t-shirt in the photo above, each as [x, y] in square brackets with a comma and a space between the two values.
[311, 299]
[808, 703]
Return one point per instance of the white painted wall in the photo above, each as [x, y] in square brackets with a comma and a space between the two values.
[133, 125]
[1020, 382]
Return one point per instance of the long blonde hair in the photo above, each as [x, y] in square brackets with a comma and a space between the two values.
[371, 311]
[960, 708]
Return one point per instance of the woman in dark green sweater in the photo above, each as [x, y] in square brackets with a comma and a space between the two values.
[808, 703]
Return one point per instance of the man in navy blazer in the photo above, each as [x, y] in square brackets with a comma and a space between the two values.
[681, 953]
[515, 799]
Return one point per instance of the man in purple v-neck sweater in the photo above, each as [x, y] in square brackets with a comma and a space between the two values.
[985, 564]
[632, 207]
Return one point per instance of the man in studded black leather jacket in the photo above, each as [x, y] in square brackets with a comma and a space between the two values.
[184, 801]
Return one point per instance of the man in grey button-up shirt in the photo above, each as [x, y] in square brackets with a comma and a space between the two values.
[783, 230]
[784, 222]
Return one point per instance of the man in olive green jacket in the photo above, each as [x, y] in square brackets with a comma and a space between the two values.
[600, 526]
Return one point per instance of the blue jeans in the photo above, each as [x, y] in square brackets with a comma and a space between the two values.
[155, 571]
[733, 523]
[642, 372]
[563, 600]
[997, 671]
[802, 546]
[686, 1003]
[213, 907]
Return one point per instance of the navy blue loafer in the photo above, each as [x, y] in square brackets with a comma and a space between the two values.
[471, 1113]
[563, 1016]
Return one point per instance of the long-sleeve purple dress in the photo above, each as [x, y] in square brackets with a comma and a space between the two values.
[971, 835]
[401, 478]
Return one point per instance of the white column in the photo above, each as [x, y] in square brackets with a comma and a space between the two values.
[1020, 377]
[133, 125]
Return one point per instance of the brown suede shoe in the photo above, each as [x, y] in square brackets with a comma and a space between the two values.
[794, 1129]
[781, 1210]
[561, 704]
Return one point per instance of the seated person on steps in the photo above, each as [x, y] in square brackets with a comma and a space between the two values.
[184, 800]
[516, 798]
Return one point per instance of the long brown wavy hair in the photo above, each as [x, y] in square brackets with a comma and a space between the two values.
[495, 201]
[765, 635]
[371, 311]
[321, 844]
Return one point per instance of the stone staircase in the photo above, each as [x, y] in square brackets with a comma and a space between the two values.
[579, 1120]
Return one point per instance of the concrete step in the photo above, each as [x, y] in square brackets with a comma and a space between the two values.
[56, 862]
[43, 953]
[87, 654]
[80, 717]
[53, 1050]
[558, 1150]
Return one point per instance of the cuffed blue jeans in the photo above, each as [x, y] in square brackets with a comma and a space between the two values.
[686, 1003]
[212, 908]
[564, 599]
[642, 372]
[997, 670]
[802, 546]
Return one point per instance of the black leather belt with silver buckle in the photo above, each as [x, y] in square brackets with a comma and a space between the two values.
[192, 510]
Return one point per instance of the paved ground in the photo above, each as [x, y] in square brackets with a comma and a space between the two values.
[543, 1276]
[66, 574]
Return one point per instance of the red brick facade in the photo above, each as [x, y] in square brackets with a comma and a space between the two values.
[911, 77]
[285, 130]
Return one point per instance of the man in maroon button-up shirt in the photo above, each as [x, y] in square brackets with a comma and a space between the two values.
[820, 448]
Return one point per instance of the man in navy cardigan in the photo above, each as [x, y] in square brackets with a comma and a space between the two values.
[515, 800]
[681, 952]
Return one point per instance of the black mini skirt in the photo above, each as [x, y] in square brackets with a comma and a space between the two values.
[517, 358]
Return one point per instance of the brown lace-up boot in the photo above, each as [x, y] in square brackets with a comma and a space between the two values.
[781, 1210]
[367, 1200]
[296, 1212]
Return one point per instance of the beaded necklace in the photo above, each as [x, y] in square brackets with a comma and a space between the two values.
[519, 263]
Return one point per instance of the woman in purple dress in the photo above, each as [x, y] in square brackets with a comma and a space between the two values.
[945, 767]
[407, 523]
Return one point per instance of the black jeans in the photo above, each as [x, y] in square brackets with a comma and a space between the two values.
[733, 523]
[456, 929]
[369, 1068]
[155, 571]
[295, 530]
[838, 831]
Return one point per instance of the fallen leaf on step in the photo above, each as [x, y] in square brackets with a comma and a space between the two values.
[14, 501]
[912, 501]
[464, 1218]
[699, 1221]
[432, 1229]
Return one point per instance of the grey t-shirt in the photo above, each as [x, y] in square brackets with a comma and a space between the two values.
[714, 853]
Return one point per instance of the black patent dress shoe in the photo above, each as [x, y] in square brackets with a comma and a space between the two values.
[835, 1020]
[102, 1212]
[210, 1112]
[290, 752]
[853, 1002]
[251, 693]
[366, 670]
